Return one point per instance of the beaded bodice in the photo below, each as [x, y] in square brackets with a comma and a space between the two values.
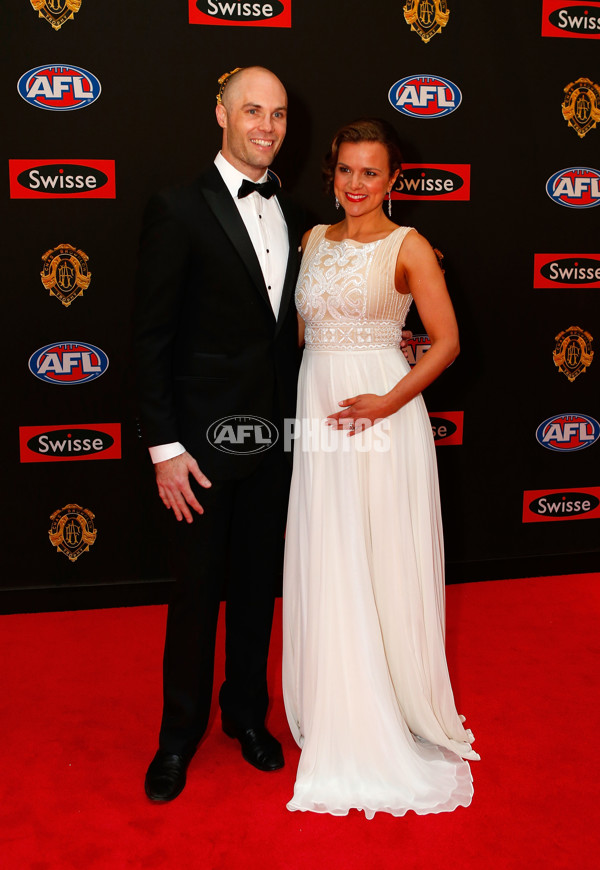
[346, 293]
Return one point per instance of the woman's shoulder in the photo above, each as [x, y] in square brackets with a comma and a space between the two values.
[417, 250]
[413, 241]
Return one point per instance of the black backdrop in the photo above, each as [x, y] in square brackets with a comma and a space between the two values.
[155, 119]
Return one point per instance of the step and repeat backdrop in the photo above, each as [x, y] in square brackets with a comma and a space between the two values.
[498, 109]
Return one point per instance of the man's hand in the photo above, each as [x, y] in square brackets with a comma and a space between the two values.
[406, 337]
[172, 478]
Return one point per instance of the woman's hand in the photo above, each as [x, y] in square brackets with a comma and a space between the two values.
[360, 412]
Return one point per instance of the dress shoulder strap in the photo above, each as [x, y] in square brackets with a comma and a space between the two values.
[388, 250]
[394, 241]
[317, 234]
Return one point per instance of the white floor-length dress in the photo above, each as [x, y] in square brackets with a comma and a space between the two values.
[366, 685]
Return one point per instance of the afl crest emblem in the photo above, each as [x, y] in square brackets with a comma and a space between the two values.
[72, 531]
[65, 273]
[56, 12]
[426, 17]
[581, 106]
[573, 352]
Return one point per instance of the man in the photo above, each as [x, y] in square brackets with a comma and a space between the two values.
[216, 336]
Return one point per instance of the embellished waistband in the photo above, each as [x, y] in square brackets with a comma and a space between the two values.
[353, 336]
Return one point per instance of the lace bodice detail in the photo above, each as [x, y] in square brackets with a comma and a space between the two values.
[346, 293]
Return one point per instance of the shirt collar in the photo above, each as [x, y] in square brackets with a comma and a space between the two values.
[231, 176]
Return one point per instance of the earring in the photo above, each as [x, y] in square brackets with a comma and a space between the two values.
[337, 202]
[390, 202]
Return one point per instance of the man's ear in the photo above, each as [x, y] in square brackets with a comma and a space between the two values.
[221, 113]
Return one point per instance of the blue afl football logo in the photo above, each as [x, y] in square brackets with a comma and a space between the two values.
[59, 87]
[68, 362]
[568, 432]
[576, 187]
[425, 96]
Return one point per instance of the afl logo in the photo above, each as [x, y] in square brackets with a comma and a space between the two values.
[59, 88]
[68, 362]
[416, 347]
[242, 434]
[576, 187]
[425, 96]
[568, 432]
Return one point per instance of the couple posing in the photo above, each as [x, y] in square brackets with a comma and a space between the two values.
[366, 687]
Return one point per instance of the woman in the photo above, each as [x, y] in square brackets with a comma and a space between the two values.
[366, 685]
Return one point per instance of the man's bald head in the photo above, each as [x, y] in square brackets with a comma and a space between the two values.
[236, 82]
[253, 115]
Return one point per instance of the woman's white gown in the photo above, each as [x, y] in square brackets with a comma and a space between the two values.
[366, 685]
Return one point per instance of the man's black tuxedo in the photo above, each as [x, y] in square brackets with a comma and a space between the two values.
[207, 346]
[207, 343]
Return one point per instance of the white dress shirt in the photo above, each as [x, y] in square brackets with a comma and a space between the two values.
[267, 229]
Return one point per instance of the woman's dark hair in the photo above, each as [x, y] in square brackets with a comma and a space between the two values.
[363, 130]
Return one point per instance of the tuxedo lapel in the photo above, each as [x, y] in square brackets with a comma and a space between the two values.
[224, 209]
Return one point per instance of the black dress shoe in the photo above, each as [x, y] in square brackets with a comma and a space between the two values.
[259, 748]
[165, 778]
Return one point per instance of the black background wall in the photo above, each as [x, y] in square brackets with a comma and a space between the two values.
[155, 119]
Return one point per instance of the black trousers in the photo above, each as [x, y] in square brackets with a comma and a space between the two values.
[240, 535]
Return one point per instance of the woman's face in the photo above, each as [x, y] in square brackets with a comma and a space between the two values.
[362, 177]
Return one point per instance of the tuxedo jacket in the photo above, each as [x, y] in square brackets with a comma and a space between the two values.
[206, 341]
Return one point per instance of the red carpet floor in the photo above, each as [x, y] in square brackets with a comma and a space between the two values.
[79, 712]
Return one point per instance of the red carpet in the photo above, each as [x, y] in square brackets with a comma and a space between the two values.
[79, 715]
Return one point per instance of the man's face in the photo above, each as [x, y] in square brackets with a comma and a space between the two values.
[254, 119]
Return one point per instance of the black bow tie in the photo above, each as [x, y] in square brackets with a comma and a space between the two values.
[266, 188]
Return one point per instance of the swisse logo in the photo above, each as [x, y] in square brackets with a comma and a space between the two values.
[57, 179]
[576, 187]
[568, 432]
[541, 505]
[425, 181]
[62, 178]
[240, 11]
[68, 362]
[259, 13]
[59, 88]
[242, 435]
[60, 443]
[566, 270]
[571, 19]
[447, 426]
[562, 503]
[425, 96]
